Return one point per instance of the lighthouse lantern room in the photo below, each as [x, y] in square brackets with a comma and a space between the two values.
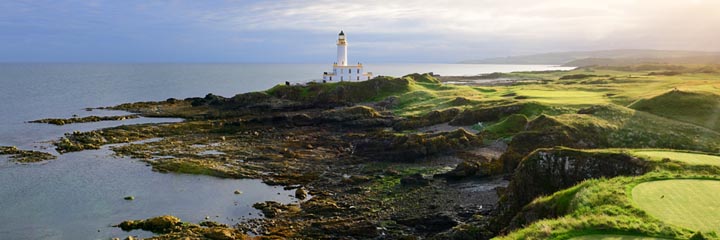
[341, 70]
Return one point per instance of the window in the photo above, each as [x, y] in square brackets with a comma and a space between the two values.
[341, 78]
[330, 78]
[358, 70]
[349, 70]
[358, 78]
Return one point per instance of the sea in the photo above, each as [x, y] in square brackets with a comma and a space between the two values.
[80, 195]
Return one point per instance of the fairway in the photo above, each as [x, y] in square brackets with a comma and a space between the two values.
[572, 97]
[690, 158]
[613, 237]
[693, 204]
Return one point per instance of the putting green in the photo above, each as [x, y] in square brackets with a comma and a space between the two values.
[691, 158]
[693, 204]
[613, 237]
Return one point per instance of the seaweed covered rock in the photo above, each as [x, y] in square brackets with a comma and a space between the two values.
[477, 166]
[546, 171]
[342, 229]
[271, 209]
[170, 227]
[63, 121]
[161, 224]
[388, 146]
[25, 156]
[349, 114]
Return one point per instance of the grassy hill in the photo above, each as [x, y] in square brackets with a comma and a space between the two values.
[696, 107]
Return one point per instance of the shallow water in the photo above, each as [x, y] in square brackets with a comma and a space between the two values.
[79, 195]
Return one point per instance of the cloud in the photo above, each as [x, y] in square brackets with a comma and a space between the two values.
[624, 22]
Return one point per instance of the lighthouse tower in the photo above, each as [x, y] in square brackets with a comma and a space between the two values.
[341, 70]
[341, 50]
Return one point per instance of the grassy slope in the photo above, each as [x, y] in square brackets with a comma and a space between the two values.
[686, 157]
[601, 206]
[693, 204]
[613, 237]
[697, 107]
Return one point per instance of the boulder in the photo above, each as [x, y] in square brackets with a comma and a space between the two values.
[414, 180]
[161, 224]
[300, 193]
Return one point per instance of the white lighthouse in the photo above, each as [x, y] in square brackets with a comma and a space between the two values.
[341, 70]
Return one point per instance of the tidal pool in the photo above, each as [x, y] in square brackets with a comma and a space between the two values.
[80, 196]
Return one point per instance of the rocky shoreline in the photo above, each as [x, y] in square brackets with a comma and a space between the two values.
[25, 156]
[365, 179]
[63, 121]
[393, 158]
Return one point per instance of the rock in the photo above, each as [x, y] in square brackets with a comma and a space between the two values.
[300, 193]
[389, 146]
[478, 166]
[238, 192]
[130, 238]
[429, 119]
[323, 206]
[414, 180]
[546, 171]
[218, 233]
[161, 224]
[430, 224]
[129, 198]
[269, 208]
[349, 114]
[345, 229]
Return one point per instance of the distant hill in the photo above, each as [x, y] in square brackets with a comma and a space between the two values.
[607, 57]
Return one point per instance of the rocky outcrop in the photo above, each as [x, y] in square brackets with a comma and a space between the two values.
[63, 121]
[161, 224]
[271, 209]
[547, 132]
[171, 227]
[356, 116]
[432, 223]
[388, 146]
[431, 118]
[476, 166]
[25, 156]
[546, 171]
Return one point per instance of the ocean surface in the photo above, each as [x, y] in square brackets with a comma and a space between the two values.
[80, 195]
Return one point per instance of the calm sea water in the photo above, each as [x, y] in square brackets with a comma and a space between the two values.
[79, 195]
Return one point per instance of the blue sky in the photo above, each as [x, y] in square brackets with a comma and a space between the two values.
[297, 31]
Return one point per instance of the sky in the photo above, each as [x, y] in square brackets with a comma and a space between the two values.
[297, 31]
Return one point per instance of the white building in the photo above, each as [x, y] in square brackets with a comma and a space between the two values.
[341, 70]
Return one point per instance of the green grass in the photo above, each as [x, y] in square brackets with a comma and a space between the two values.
[690, 203]
[696, 107]
[508, 126]
[563, 96]
[686, 157]
[613, 237]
